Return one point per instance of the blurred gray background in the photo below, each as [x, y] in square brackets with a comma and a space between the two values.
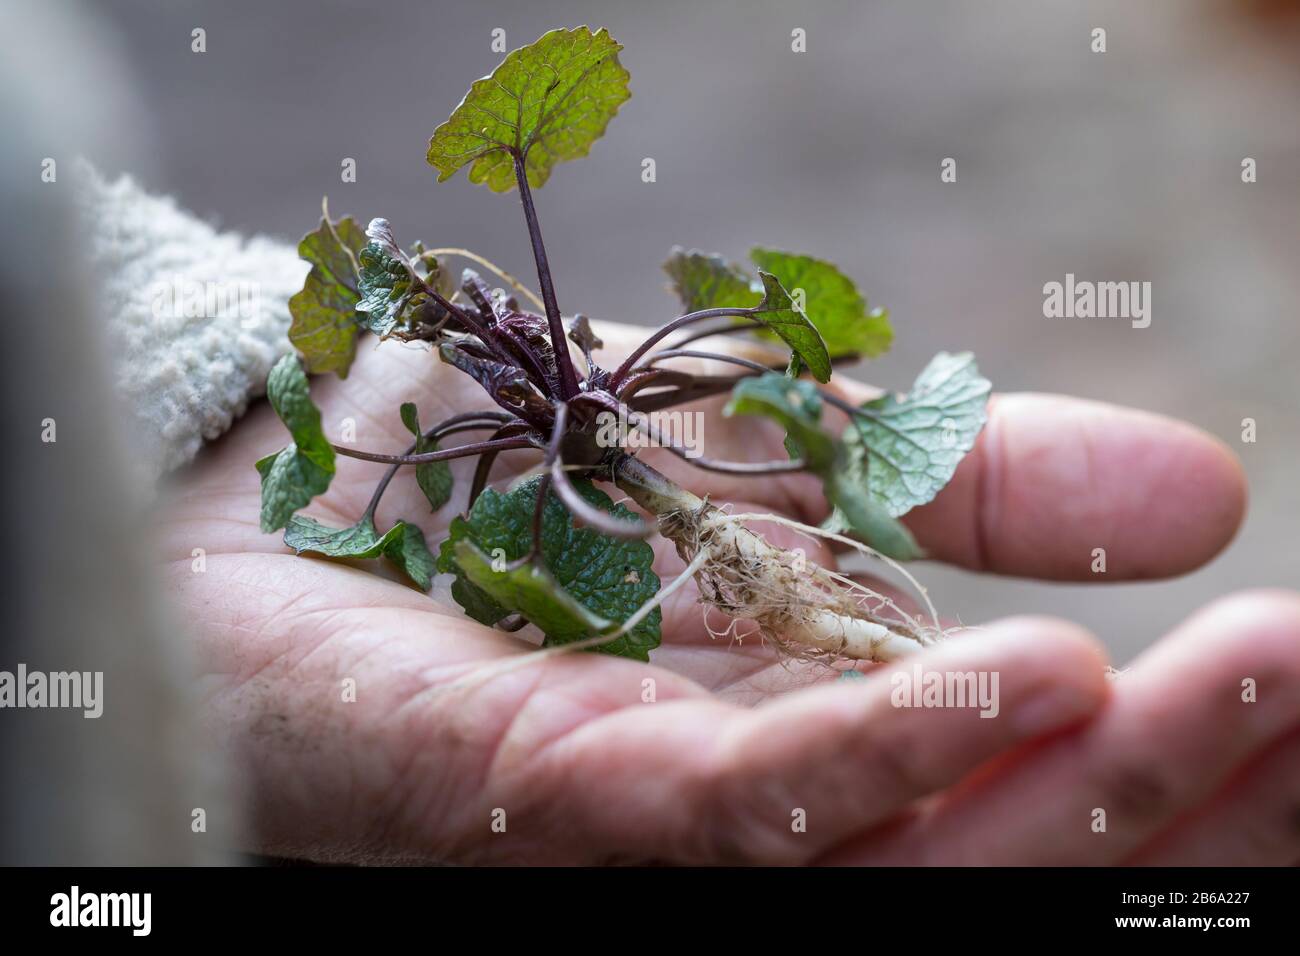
[1119, 166]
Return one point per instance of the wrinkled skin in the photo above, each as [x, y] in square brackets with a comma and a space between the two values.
[586, 771]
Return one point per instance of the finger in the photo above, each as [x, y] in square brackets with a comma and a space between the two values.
[1254, 821]
[1050, 481]
[1053, 479]
[699, 781]
[1175, 729]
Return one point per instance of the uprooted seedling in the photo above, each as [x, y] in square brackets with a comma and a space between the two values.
[555, 551]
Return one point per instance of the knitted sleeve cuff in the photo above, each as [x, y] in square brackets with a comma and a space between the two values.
[195, 317]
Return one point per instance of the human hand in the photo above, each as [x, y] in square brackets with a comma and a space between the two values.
[586, 771]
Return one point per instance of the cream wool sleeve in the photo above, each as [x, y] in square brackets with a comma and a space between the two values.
[195, 317]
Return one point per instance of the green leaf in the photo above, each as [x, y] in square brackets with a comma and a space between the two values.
[778, 314]
[831, 301]
[813, 404]
[868, 518]
[913, 443]
[402, 544]
[433, 477]
[386, 289]
[289, 482]
[410, 418]
[392, 294]
[324, 326]
[429, 269]
[796, 405]
[290, 394]
[414, 557]
[477, 603]
[547, 102]
[302, 469]
[704, 281]
[531, 590]
[585, 584]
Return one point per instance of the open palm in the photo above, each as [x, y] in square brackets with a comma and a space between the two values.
[592, 758]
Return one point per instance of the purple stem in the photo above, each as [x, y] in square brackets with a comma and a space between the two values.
[568, 375]
[445, 454]
[699, 461]
[580, 507]
[468, 421]
[664, 330]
